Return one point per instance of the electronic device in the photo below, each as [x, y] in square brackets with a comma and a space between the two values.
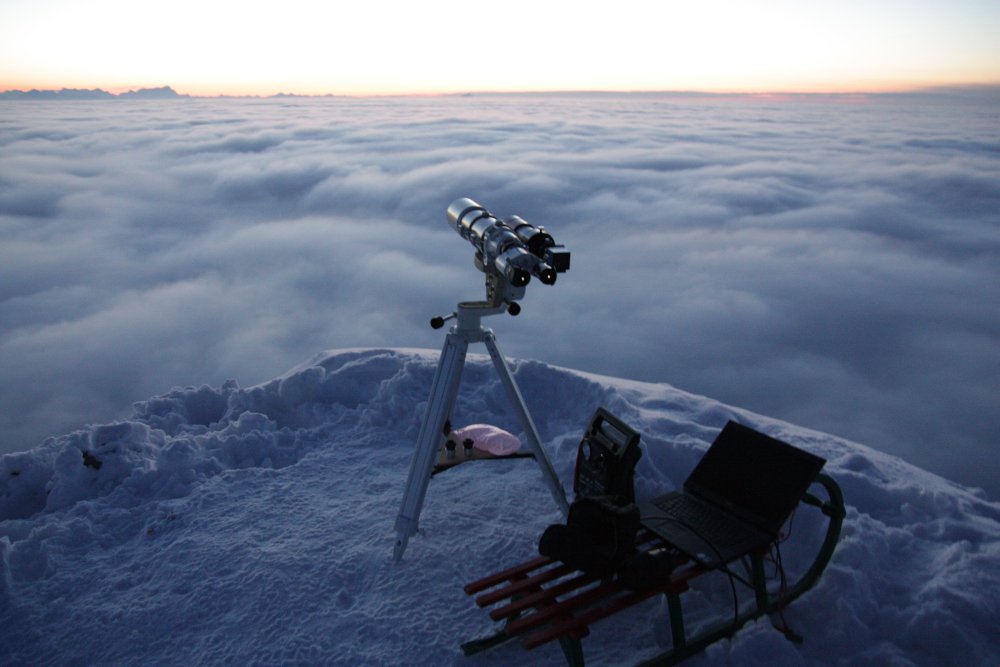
[737, 497]
[606, 458]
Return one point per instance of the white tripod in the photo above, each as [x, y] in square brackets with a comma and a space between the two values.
[500, 298]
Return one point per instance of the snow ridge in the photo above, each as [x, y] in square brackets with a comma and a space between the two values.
[254, 526]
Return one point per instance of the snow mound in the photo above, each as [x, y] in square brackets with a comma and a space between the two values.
[255, 526]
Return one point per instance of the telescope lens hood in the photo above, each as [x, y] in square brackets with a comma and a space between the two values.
[459, 210]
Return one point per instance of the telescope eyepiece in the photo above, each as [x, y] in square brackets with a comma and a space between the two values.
[519, 277]
[547, 275]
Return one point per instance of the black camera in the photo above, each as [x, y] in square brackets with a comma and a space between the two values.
[605, 461]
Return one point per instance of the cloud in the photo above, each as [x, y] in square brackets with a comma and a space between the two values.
[834, 265]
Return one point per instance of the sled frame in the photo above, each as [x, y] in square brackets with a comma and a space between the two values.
[543, 600]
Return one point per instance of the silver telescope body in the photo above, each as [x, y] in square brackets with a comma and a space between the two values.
[515, 248]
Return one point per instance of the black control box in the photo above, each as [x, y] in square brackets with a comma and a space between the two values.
[606, 458]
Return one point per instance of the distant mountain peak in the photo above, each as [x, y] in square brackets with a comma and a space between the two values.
[163, 92]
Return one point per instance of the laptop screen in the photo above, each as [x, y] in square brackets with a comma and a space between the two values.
[754, 475]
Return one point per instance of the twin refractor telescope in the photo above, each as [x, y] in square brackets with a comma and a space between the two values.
[509, 252]
[513, 248]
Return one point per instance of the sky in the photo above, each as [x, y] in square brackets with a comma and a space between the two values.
[832, 263]
[384, 47]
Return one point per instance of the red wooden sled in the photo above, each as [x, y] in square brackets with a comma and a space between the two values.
[542, 600]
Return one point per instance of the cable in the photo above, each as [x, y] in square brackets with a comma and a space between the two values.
[773, 555]
[783, 537]
[783, 628]
[722, 565]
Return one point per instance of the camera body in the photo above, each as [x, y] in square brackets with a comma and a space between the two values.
[606, 458]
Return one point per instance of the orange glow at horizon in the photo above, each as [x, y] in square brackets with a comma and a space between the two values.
[446, 46]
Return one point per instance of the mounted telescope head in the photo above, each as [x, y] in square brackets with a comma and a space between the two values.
[514, 248]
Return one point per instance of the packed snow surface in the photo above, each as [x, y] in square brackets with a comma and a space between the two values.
[255, 526]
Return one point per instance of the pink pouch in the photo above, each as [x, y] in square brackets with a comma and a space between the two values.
[491, 439]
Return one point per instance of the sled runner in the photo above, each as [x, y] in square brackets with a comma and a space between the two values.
[544, 600]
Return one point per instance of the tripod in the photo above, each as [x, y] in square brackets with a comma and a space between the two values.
[444, 390]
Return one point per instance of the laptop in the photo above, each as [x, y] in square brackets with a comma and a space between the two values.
[736, 499]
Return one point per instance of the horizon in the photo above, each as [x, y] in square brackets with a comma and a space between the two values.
[442, 48]
[934, 90]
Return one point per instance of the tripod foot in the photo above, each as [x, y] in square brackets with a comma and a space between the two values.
[397, 551]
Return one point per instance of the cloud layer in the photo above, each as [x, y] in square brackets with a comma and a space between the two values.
[834, 265]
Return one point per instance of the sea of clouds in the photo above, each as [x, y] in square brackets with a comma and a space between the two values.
[831, 262]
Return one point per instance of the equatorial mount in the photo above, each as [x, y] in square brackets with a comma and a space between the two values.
[501, 297]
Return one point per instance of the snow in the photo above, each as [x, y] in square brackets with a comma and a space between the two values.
[228, 525]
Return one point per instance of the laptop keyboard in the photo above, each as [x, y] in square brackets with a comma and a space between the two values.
[707, 522]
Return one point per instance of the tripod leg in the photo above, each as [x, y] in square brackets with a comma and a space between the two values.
[443, 392]
[534, 440]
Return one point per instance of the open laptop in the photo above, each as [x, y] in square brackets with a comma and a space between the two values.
[736, 499]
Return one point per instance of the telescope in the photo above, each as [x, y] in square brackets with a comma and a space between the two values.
[509, 252]
[514, 248]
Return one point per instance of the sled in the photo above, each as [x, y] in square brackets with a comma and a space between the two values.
[542, 600]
